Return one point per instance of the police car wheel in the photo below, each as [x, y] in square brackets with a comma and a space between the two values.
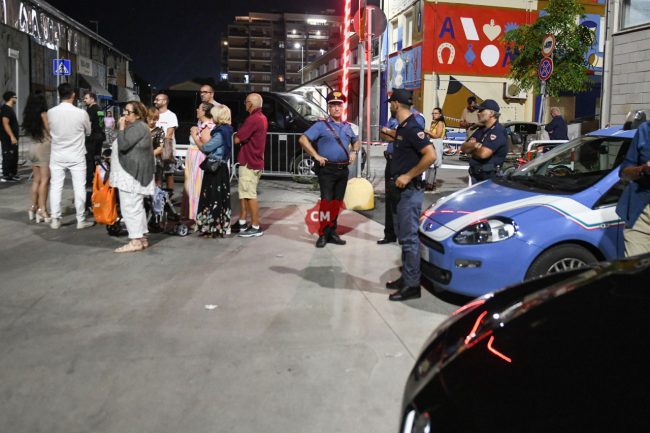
[559, 259]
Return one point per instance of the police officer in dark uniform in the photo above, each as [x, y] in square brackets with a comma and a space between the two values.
[328, 142]
[388, 133]
[488, 146]
[412, 155]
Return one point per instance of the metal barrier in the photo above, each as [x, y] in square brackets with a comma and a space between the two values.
[536, 143]
[283, 156]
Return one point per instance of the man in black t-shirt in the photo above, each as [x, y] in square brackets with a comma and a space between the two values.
[96, 138]
[9, 134]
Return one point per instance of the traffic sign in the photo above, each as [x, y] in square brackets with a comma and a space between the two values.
[377, 25]
[545, 68]
[62, 66]
[548, 45]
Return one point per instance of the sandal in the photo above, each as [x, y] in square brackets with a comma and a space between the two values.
[145, 243]
[131, 247]
[41, 215]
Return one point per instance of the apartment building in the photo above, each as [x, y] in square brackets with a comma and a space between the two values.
[268, 52]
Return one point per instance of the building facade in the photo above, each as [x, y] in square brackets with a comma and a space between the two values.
[267, 52]
[626, 85]
[33, 34]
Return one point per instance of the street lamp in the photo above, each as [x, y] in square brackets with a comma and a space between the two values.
[302, 73]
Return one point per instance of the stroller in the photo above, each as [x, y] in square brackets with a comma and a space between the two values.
[159, 208]
[162, 216]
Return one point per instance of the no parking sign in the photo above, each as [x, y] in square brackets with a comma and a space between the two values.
[545, 68]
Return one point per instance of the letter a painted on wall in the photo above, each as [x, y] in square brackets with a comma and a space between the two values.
[447, 27]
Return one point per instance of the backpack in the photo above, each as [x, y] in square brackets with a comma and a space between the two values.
[104, 200]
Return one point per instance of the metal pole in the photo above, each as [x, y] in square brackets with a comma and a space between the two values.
[361, 56]
[541, 104]
[368, 76]
[302, 65]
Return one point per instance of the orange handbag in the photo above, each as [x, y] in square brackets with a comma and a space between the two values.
[104, 200]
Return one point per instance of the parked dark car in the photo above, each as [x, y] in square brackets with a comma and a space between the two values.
[287, 114]
[563, 353]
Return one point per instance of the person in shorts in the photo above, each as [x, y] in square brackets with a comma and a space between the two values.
[251, 136]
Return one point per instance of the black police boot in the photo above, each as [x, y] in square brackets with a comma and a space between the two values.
[397, 284]
[386, 240]
[320, 243]
[336, 240]
[405, 294]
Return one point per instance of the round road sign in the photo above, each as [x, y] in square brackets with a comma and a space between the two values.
[548, 45]
[545, 68]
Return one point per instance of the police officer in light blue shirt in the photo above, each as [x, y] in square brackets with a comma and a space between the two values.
[333, 145]
[412, 155]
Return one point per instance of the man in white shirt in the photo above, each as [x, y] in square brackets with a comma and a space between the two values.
[168, 122]
[69, 127]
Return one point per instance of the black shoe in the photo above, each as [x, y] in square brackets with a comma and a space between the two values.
[405, 294]
[386, 240]
[336, 240]
[320, 243]
[251, 232]
[397, 284]
[236, 228]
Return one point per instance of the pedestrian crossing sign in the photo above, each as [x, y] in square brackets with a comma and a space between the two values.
[62, 67]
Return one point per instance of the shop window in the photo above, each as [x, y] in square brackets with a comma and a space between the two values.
[635, 12]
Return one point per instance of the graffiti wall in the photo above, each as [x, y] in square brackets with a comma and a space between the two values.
[466, 39]
[405, 69]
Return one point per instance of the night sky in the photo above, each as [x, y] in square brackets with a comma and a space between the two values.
[174, 41]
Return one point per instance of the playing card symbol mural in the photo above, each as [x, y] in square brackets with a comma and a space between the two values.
[467, 39]
[404, 68]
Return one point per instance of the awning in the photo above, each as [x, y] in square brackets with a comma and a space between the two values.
[125, 95]
[96, 87]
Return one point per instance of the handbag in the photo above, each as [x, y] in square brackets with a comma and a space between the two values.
[104, 200]
[210, 165]
[168, 150]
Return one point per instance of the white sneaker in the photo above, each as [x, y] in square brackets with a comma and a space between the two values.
[55, 223]
[85, 224]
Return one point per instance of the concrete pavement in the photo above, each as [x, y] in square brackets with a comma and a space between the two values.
[301, 339]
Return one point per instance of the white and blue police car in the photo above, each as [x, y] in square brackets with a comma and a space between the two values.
[555, 213]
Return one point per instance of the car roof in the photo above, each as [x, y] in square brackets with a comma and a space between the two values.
[614, 131]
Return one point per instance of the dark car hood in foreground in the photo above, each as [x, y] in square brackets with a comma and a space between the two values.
[568, 352]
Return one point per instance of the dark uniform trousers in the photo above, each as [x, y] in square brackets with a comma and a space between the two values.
[333, 179]
[390, 209]
[408, 205]
[9, 158]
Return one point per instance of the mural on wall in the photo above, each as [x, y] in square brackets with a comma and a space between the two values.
[405, 69]
[596, 24]
[456, 101]
[467, 39]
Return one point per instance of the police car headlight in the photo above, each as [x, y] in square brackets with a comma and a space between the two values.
[486, 231]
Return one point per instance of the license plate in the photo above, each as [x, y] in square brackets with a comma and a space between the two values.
[424, 252]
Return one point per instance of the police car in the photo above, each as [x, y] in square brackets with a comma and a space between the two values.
[555, 213]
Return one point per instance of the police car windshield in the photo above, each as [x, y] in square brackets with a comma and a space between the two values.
[305, 108]
[572, 167]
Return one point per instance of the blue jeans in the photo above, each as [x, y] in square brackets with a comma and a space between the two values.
[406, 222]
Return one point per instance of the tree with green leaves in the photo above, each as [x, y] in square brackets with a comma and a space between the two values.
[572, 42]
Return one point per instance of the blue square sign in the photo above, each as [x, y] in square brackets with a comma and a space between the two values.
[62, 67]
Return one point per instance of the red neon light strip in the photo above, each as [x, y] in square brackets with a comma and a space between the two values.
[496, 352]
[346, 55]
[472, 333]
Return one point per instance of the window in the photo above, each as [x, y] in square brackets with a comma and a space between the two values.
[394, 36]
[408, 30]
[635, 12]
